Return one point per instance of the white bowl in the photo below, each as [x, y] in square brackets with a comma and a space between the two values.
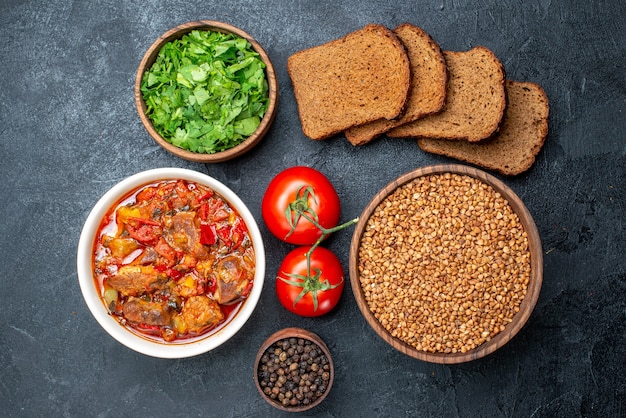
[130, 339]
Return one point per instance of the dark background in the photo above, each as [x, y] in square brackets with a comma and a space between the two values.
[69, 131]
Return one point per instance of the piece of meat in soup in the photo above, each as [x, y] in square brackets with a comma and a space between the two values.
[232, 278]
[134, 280]
[182, 233]
[148, 313]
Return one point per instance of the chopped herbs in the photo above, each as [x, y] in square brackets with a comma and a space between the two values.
[206, 92]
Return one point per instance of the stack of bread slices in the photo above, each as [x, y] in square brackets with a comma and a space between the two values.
[399, 83]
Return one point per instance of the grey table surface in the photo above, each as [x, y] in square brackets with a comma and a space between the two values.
[69, 131]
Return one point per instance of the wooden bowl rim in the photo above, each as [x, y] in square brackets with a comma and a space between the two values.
[177, 32]
[297, 333]
[536, 271]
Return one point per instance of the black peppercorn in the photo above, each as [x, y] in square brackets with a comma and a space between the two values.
[293, 372]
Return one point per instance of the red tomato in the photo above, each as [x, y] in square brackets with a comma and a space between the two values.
[312, 295]
[300, 189]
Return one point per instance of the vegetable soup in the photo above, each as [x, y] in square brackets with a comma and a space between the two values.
[173, 260]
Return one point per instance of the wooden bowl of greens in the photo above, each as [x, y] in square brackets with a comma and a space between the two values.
[206, 91]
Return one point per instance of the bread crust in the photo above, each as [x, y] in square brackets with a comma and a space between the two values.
[475, 100]
[353, 80]
[513, 149]
[427, 92]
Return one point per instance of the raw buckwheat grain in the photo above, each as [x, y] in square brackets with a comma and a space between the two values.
[444, 263]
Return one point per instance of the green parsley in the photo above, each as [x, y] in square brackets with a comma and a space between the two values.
[206, 92]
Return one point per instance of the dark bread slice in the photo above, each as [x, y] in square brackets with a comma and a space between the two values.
[475, 100]
[521, 136]
[427, 92]
[356, 79]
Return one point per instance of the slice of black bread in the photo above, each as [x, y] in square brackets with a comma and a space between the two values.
[475, 100]
[515, 146]
[359, 78]
[427, 93]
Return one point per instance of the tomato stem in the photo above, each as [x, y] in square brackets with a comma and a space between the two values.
[298, 208]
[325, 232]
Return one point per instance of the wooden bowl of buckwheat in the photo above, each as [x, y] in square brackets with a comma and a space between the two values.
[446, 264]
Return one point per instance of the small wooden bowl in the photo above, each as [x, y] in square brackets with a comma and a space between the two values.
[534, 285]
[239, 149]
[297, 333]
